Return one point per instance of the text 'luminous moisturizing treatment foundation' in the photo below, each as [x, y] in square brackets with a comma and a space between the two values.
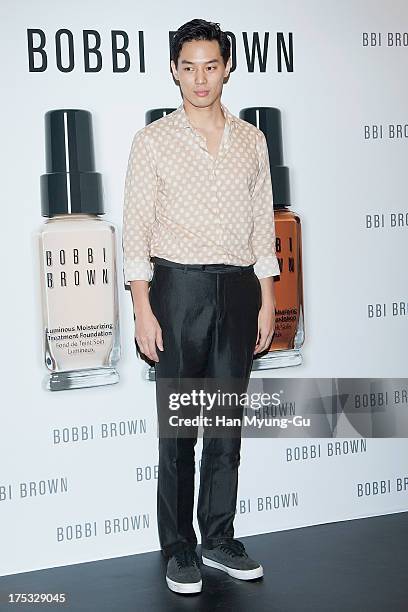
[81, 338]
[289, 321]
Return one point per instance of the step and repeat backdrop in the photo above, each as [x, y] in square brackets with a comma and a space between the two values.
[78, 469]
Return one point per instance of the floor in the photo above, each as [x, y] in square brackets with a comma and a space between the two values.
[359, 565]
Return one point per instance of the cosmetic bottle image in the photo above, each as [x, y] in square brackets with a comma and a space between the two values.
[289, 318]
[78, 260]
[157, 113]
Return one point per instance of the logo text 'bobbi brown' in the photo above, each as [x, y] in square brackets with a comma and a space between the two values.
[285, 248]
[80, 274]
[125, 52]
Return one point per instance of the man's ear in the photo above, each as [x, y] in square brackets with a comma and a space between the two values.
[227, 67]
[174, 69]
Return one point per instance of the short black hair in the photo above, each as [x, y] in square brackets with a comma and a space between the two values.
[200, 29]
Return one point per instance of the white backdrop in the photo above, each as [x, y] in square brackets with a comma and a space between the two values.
[95, 497]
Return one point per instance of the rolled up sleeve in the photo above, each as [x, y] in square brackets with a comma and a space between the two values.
[263, 237]
[139, 210]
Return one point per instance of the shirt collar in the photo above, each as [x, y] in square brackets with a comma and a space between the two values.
[181, 119]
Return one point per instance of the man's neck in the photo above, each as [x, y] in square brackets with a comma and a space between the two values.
[206, 118]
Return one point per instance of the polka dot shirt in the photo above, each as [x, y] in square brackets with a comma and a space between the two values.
[183, 204]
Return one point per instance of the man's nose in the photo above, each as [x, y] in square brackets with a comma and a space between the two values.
[200, 76]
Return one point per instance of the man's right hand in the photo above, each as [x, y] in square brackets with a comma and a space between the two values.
[148, 333]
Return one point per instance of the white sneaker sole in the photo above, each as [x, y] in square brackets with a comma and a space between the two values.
[184, 587]
[257, 572]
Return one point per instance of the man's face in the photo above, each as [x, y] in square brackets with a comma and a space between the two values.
[201, 69]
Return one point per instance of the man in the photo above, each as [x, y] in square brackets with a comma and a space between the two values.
[198, 205]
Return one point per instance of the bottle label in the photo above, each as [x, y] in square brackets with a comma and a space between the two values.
[80, 310]
[289, 289]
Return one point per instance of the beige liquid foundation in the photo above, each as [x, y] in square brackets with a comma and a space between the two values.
[78, 260]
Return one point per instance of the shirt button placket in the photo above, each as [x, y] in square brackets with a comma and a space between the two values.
[216, 199]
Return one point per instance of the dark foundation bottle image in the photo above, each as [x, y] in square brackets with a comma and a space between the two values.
[289, 333]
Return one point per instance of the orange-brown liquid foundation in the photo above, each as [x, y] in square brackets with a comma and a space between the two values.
[289, 319]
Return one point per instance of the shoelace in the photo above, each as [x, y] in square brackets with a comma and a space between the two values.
[234, 548]
[186, 557]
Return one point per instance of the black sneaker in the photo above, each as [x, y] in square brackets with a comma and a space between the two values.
[183, 572]
[231, 557]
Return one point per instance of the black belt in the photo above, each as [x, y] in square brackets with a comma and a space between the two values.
[205, 267]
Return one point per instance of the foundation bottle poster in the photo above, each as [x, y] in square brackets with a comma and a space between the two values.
[325, 84]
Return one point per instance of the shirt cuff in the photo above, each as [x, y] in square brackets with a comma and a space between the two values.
[267, 266]
[138, 270]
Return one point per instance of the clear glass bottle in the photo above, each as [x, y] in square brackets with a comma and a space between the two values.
[289, 333]
[78, 260]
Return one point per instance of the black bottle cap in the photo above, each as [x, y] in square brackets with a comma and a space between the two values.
[157, 113]
[70, 184]
[268, 119]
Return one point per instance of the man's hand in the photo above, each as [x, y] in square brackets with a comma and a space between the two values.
[148, 332]
[266, 316]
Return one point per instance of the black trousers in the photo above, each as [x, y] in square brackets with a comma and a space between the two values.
[209, 320]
